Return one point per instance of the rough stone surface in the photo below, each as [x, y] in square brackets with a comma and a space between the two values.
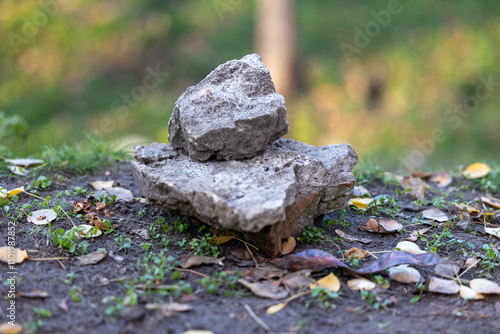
[268, 197]
[233, 113]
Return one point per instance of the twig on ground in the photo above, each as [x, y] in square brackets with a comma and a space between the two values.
[257, 319]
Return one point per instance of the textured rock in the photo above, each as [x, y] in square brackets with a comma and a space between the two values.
[233, 113]
[268, 197]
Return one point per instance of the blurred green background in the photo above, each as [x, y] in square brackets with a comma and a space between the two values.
[65, 67]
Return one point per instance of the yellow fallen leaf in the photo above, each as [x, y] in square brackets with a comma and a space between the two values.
[477, 170]
[360, 203]
[273, 309]
[493, 202]
[221, 239]
[329, 282]
[5, 328]
[16, 254]
[442, 179]
[472, 211]
[100, 185]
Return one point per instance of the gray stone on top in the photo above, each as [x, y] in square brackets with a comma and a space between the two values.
[234, 113]
[268, 197]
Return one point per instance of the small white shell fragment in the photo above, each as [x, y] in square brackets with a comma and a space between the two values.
[405, 274]
[42, 217]
[409, 247]
[87, 231]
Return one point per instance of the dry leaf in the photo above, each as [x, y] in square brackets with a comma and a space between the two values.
[413, 186]
[329, 282]
[470, 210]
[484, 286]
[445, 286]
[288, 245]
[24, 162]
[361, 284]
[493, 231]
[265, 289]
[360, 203]
[35, 293]
[435, 214]
[87, 231]
[121, 194]
[448, 269]
[273, 309]
[221, 239]
[15, 253]
[241, 254]
[360, 191]
[360, 253]
[414, 234]
[298, 279]
[6, 328]
[63, 305]
[92, 258]
[383, 225]
[471, 262]
[477, 170]
[405, 274]
[196, 260]
[470, 294]
[442, 179]
[493, 202]
[409, 247]
[100, 185]
[42, 217]
[21, 171]
[352, 238]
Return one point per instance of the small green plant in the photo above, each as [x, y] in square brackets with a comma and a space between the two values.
[42, 183]
[367, 172]
[438, 202]
[383, 204]
[69, 240]
[341, 221]
[420, 288]
[123, 242]
[74, 292]
[70, 277]
[312, 234]
[490, 261]
[383, 282]
[372, 298]
[42, 312]
[180, 226]
[421, 202]
[323, 297]
[79, 191]
[201, 246]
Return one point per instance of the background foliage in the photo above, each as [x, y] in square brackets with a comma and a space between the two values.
[65, 75]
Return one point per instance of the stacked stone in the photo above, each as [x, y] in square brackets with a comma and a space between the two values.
[228, 165]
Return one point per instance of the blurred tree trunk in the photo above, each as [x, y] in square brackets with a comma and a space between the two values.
[275, 40]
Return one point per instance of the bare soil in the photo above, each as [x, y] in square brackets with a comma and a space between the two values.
[226, 309]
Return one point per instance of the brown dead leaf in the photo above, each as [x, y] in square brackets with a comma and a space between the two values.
[241, 254]
[288, 245]
[469, 209]
[100, 205]
[414, 234]
[445, 286]
[92, 258]
[63, 305]
[491, 201]
[265, 289]
[299, 279]
[35, 293]
[420, 175]
[448, 269]
[196, 260]
[435, 214]
[442, 179]
[413, 186]
[352, 238]
[383, 225]
[353, 252]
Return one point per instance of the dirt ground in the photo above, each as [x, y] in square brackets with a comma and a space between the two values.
[122, 293]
